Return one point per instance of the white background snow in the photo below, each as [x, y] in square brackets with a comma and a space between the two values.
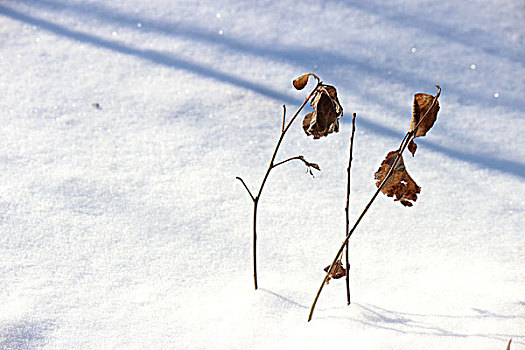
[123, 227]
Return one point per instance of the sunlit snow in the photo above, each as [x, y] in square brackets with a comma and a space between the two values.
[124, 124]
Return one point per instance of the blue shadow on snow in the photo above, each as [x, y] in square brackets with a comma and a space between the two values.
[483, 160]
[303, 56]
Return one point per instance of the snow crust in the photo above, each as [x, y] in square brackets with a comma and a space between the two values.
[122, 226]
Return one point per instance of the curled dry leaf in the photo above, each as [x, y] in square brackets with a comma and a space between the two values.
[324, 119]
[399, 185]
[422, 104]
[300, 82]
[337, 272]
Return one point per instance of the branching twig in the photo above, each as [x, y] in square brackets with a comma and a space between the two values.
[272, 165]
[402, 147]
[347, 209]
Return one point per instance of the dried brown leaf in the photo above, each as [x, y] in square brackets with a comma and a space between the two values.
[324, 119]
[422, 104]
[300, 82]
[412, 147]
[399, 185]
[337, 272]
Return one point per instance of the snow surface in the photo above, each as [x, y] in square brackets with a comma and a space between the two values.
[123, 227]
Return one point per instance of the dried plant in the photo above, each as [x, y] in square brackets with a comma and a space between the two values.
[392, 177]
[322, 121]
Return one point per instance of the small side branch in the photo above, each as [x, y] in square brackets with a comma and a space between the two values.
[247, 189]
[301, 158]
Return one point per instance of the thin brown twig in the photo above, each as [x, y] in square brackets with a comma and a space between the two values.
[289, 159]
[284, 117]
[402, 147]
[347, 209]
[246, 187]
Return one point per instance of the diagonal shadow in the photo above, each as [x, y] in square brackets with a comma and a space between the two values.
[403, 323]
[283, 298]
[299, 56]
[483, 160]
[476, 39]
[303, 56]
[150, 55]
[480, 313]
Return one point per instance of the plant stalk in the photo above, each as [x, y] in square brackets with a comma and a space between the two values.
[255, 204]
[347, 209]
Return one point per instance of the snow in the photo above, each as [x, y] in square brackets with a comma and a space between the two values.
[123, 226]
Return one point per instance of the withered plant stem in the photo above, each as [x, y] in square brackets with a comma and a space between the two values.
[347, 209]
[272, 165]
[404, 143]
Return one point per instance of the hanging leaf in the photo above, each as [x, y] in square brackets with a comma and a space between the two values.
[399, 185]
[300, 82]
[337, 272]
[324, 119]
[421, 108]
[412, 147]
